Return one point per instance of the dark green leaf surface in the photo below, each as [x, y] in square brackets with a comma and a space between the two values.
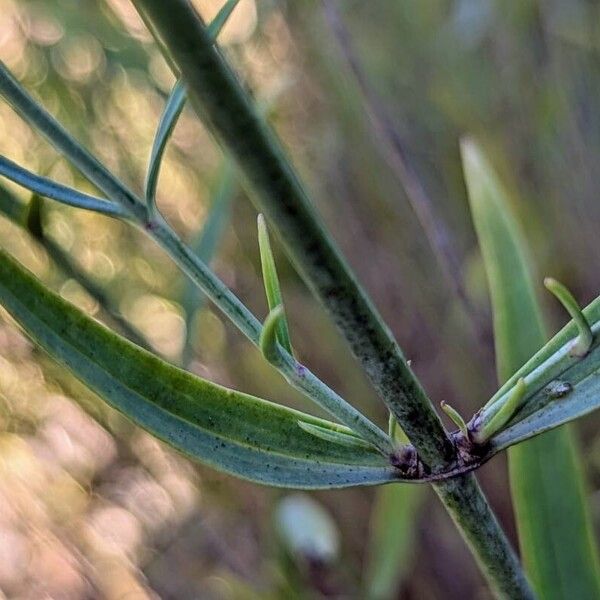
[228, 430]
[546, 481]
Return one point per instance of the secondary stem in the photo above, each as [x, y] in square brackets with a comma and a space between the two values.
[470, 511]
[188, 261]
[222, 102]
[295, 374]
[218, 97]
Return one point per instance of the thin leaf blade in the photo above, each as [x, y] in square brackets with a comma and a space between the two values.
[172, 110]
[168, 120]
[205, 247]
[546, 480]
[228, 430]
[56, 191]
[271, 282]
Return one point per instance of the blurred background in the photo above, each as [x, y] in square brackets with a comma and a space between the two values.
[371, 100]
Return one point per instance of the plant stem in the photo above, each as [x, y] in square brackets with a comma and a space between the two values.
[157, 228]
[218, 96]
[470, 511]
[297, 375]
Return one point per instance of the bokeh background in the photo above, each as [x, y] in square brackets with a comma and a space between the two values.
[371, 100]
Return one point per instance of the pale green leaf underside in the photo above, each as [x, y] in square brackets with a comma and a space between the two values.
[223, 428]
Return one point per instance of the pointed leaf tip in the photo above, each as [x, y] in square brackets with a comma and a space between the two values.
[271, 282]
[454, 416]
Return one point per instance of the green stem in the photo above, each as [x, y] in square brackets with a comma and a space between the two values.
[297, 375]
[217, 95]
[157, 228]
[470, 511]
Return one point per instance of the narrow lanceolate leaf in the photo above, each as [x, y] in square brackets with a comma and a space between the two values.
[205, 247]
[546, 479]
[168, 120]
[56, 191]
[271, 282]
[392, 536]
[217, 24]
[173, 107]
[226, 429]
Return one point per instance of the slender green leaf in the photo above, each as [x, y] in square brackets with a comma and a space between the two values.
[559, 387]
[392, 538]
[271, 282]
[226, 429]
[546, 480]
[168, 120]
[504, 413]
[216, 25]
[550, 408]
[205, 247]
[56, 191]
[455, 416]
[551, 353]
[39, 118]
[173, 107]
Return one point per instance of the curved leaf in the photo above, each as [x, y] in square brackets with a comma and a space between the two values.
[173, 107]
[168, 120]
[226, 429]
[56, 191]
[563, 397]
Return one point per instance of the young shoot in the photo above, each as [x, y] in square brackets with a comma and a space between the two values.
[583, 343]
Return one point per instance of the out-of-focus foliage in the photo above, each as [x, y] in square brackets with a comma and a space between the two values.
[545, 476]
[93, 507]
